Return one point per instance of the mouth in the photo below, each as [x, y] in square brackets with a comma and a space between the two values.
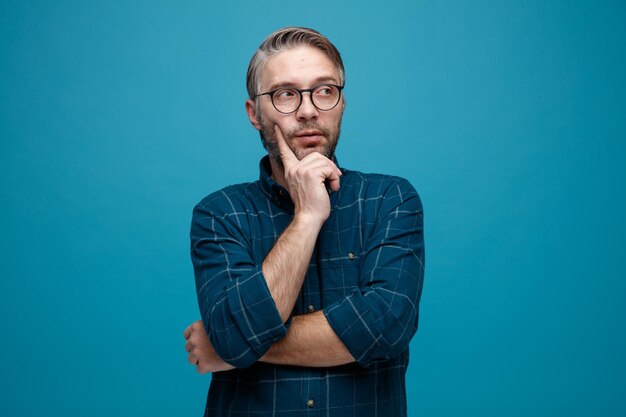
[310, 137]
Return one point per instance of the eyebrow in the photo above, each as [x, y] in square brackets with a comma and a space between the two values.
[317, 81]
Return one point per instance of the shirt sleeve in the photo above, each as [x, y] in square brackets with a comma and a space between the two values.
[237, 309]
[378, 320]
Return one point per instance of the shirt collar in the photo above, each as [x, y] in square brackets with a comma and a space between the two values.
[274, 190]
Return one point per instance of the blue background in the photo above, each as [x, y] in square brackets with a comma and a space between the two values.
[507, 116]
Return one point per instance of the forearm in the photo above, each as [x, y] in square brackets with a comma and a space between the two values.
[310, 341]
[286, 264]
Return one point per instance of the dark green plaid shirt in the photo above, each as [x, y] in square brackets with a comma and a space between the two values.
[366, 274]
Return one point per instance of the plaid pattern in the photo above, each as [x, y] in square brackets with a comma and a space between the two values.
[366, 273]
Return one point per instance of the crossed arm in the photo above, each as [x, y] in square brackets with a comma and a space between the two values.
[310, 341]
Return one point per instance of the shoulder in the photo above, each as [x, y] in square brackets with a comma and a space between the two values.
[230, 199]
[372, 185]
[225, 212]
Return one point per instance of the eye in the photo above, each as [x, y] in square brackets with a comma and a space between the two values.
[285, 94]
[324, 90]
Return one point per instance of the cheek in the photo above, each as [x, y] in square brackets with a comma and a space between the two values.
[337, 112]
[285, 124]
[271, 118]
[336, 118]
[265, 113]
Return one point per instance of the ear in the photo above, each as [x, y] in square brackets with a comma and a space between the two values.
[252, 114]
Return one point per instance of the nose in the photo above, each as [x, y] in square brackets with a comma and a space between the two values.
[307, 110]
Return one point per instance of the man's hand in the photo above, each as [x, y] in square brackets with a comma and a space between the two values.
[201, 352]
[306, 181]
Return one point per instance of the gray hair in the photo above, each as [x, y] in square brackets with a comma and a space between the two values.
[287, 38]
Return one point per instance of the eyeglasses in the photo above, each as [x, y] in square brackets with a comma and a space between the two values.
[288, 99]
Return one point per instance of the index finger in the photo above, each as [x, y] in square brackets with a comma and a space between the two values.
[286, 154]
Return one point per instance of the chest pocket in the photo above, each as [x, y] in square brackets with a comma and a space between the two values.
[340, 274]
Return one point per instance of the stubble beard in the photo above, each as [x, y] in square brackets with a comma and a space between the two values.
[327, 149]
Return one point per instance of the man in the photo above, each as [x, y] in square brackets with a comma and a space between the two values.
[308, 279]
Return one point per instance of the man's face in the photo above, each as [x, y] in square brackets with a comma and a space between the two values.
[307, 129]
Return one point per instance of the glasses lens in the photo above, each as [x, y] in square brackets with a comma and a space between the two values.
[325, 97]
[286, 100]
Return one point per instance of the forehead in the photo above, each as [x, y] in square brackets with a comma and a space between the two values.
[298, 66]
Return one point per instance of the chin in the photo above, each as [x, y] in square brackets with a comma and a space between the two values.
[302, 152]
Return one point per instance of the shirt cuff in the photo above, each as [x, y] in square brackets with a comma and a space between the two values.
[256, 317]
[348, 319]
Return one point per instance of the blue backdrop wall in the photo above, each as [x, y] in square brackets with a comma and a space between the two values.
[507, 116]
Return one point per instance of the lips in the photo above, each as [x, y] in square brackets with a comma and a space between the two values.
[306, 133]
[309, 137]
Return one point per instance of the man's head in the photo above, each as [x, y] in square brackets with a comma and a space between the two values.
[298, 59]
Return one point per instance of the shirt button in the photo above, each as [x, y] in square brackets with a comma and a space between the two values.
[310, 403]
[310, 308]
[281, 192]
[351, 256]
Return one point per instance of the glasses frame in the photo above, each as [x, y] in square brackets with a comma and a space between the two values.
[300, 91]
